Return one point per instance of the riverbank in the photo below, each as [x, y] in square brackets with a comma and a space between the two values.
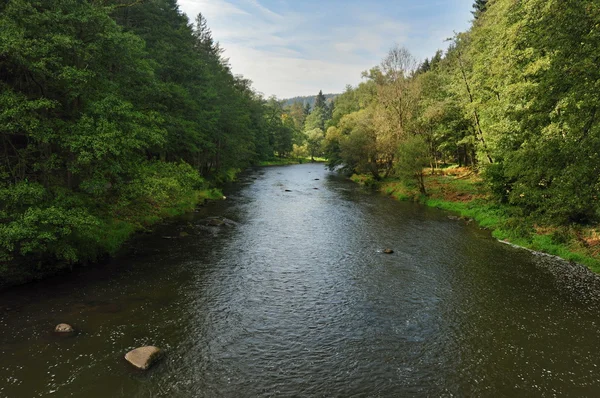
[303, 270]
[115, 225]
[461, 191]
[290, 161]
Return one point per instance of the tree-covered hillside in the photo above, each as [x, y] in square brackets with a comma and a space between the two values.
[113, 114]
[310, 100]
[515, 100]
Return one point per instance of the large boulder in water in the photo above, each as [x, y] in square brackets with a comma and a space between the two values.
[144, 357]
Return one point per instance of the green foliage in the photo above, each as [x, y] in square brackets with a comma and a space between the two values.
[47, 231]
[314, 142]
[412, 157]
[316, 119]
[353, 144]
[156, 184]
[515, 98]
[110, 117]
[479, 8]
[539, 101]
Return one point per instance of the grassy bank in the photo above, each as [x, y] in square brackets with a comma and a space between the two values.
[133, 220]
[463, 192]
[112, 227]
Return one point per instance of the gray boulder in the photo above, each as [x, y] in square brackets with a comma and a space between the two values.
[144, 357]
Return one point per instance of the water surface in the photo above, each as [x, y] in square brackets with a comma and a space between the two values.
[293, 296]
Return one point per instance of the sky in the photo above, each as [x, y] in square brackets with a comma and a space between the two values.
[296, 48]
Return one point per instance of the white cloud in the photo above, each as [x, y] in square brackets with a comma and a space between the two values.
[291, 53]
[288, 76]
[209, 8]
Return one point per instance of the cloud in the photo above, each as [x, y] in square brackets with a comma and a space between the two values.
[209, 8]
[303, 48]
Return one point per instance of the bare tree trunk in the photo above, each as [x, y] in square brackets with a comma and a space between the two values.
[421, 180]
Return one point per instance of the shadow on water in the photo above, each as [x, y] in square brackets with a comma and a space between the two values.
[286, 292]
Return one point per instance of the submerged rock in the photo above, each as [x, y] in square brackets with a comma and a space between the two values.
[388, 251]
[64, 328]
[144, 357]
[215, 222]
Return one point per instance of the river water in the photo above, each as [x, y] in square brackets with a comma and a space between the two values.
[293, 297]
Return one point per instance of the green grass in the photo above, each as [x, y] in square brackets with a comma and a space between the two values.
[118, 231]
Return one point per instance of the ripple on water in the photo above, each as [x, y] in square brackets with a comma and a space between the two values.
[295, 298]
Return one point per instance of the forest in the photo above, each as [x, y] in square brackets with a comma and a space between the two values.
[115, 114]
[506, 118]
[310, 100]
[502, 127]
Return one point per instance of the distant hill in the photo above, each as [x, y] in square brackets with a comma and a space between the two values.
[310, 99]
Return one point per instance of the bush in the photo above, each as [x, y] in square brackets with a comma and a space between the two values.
[41, 226]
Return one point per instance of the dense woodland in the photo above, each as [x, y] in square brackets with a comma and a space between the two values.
[516, 98]
[308, 100]
[115, 113]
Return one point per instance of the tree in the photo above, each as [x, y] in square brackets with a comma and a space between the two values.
[109, 112]
[314, 141]
[396, 98]
[320, 101]
[413, 156]
[307, 109]
[479, 8]
[297, 113]
[424, 67]
[316, 119]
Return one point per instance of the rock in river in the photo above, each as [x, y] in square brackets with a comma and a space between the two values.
[144, 357]
[215, 222]
[64, 328]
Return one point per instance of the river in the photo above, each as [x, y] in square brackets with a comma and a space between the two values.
[293, 297]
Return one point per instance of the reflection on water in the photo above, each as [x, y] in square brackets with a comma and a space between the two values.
[291, 296]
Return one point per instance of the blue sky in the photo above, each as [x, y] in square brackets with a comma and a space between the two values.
[290, 48]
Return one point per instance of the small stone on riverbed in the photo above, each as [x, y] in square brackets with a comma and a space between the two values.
[215, 222]
[144, 357]
[388, 251]
[64, 328]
